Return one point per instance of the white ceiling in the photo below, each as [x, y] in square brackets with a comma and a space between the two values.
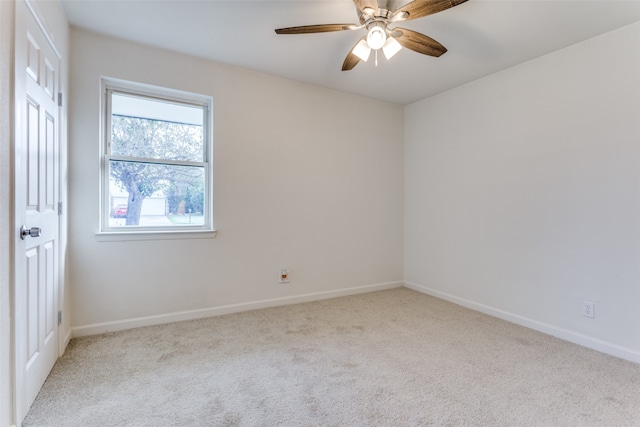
[482, 36]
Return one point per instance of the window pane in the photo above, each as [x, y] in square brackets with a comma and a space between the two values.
[152, 195]
[149, 128]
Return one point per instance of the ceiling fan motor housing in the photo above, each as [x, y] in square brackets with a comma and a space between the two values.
[383, 15]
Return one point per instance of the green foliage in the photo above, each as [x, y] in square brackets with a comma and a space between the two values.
[155, 139]
[146, 139]
[186, 197]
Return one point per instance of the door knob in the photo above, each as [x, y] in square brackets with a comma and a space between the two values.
[32, 232]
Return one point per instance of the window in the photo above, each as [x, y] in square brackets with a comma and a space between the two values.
[156, 169]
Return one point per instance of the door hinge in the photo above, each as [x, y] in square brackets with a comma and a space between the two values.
[59, 318]
[59, 208]
[59, 99]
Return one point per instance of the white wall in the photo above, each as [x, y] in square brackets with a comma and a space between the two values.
[523, 193]
[304, 178]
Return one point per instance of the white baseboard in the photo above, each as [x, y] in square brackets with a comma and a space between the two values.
[564, 334]
[99, 328]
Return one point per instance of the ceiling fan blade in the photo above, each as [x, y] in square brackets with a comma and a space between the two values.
[420, 8]
[366, 4]
[324, 28]
[418, 42]
[352, 59]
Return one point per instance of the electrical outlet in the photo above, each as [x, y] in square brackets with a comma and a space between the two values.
[284, 276]
[588, 308]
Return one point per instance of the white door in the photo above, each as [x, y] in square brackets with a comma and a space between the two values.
[37, 169]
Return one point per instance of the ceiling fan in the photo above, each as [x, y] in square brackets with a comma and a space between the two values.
[376, 16]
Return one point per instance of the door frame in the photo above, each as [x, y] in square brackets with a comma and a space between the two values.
[7, 67]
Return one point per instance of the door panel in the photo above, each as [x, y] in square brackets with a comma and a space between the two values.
[32, 304]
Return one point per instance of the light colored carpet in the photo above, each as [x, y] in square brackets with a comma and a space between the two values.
[390, 358]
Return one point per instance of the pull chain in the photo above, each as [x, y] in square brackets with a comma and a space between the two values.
[377, 57]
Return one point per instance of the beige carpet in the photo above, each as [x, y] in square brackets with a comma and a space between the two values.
[390, 358]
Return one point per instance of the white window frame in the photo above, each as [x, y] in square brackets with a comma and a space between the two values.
[106, 232]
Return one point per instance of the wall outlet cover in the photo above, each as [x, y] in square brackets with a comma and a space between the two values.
[588, 308]
[283, 276]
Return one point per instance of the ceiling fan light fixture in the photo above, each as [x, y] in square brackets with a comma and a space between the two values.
[391, 47]
[374, 16]
[362, 50]
[376, 37]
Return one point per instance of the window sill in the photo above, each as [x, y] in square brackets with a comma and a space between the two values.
[121, 236]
